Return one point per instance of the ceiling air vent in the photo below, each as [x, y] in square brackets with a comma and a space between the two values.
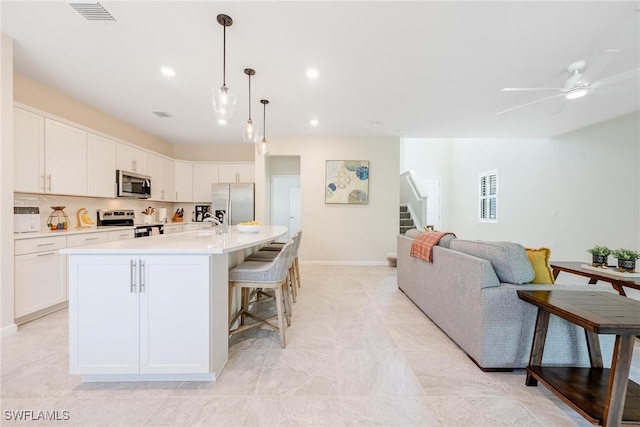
[91, 10]
[162, 114]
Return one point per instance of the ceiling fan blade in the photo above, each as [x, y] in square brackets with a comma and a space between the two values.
[529, 103]
[530, 89]
[617, 78]
[560, 107]
[594, 68]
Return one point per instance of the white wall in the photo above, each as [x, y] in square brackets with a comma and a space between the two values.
[341, 234]
[567, 193]
[6, 183]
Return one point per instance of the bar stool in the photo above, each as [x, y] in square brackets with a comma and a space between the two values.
[271, 251]
[266, 275]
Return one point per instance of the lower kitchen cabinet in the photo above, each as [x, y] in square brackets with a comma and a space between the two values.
[40, 276]
[139, 314]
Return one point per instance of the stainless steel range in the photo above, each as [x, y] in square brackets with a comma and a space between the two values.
[126, 218]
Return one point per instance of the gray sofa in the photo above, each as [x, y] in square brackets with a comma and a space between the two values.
[460, 291]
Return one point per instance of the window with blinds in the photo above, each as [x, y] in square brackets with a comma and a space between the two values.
[488, 197]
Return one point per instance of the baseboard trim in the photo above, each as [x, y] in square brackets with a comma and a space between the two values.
[343, 262]
[9, 330]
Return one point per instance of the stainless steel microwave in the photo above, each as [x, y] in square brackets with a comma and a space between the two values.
[133, 185]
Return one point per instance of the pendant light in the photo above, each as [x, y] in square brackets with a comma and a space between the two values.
[222, 98]
[249, 127]
[264, 146]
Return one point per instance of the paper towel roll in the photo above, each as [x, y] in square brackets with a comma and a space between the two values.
[162, 215]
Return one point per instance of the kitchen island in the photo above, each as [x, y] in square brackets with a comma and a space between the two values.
[155, 308]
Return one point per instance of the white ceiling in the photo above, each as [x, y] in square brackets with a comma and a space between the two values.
[419, 69]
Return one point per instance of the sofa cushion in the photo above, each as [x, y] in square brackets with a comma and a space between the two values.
[539, 259]
[509, 260]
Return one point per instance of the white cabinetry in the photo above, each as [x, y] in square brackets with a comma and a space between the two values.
[204, 174]
[162, 173]
[28, 151]
[121, 235]
[131, 159]
[40, 275]
[236, 172]
[184, 181]
[172, 228]
[65, 158]
[139, 315]
[101, 166]
[49, 156]
[83, 239]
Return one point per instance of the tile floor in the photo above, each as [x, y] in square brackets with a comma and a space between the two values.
[359, 353]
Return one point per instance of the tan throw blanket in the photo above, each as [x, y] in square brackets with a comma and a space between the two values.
[422, 245]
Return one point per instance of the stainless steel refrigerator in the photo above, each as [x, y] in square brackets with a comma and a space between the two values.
[236, 200]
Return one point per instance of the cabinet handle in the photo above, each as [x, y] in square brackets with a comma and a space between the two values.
[162, 194]
[46, 244]
[132, 269]
[124, 235]
[134, 164]
[142, 278]
[49, 177]
[90, 238]
[48, 254]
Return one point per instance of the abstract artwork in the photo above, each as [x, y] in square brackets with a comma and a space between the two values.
[347, 182]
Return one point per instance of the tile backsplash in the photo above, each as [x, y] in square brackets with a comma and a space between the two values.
[92, 204]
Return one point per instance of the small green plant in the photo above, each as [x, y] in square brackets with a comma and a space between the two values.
[599, 251]
[626, 254]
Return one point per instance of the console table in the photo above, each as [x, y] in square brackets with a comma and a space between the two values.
[618, 282]
[601, 395]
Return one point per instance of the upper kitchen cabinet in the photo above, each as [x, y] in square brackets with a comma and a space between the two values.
[65, 159]
[162, 173]
[131, 159]
[204, 174]
[101, 166]
[28, 151]
[236, 172]
[184, 181]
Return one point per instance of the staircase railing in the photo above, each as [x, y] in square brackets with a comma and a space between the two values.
[412, 196]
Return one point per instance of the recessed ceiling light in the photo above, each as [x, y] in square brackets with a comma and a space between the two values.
[222, 122]
[169, 72]
[312, 73]
[376, 125]
[314, 122]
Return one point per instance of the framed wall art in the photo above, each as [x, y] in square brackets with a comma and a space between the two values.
[347, 182]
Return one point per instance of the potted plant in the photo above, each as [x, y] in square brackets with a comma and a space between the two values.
[626, 259]
[599, 255]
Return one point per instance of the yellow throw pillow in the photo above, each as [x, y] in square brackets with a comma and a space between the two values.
[539, 259]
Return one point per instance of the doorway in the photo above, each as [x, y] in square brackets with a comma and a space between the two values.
[285, 202]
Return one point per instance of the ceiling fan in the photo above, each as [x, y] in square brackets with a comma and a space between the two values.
[575, 87]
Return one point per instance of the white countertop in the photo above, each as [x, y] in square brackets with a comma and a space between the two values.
[190, 242]
[93, 229]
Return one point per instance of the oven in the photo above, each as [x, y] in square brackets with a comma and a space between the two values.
[149, 230]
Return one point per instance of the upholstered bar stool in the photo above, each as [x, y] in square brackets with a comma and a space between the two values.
[269, 253]
[266, 275]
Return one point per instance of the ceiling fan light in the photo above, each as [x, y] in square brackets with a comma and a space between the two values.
[576, 93]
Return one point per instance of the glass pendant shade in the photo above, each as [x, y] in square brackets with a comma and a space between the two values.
[264, 147]
[223, 100]
[250, 131]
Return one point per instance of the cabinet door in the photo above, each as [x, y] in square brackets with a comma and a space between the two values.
[172, 229]
[236, 172]
[204, 174]
[246, 172]
[174, 314]
[103, 315]
[184, 182]
[28, 151]
[131, 159]
[121, 235]
[168, 179]
[65, 158]
[153, 170]
[101, 166]
[40, 281]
